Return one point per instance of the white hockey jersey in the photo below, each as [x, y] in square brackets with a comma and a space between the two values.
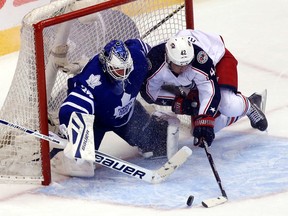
[200, 72]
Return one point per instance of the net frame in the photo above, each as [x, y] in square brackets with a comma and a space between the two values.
[37, 29]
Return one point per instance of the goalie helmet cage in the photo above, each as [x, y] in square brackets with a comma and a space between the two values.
[38, 88]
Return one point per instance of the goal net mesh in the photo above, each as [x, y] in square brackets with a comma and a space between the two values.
[152, 20]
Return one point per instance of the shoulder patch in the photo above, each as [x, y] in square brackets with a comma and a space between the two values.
[202, 57]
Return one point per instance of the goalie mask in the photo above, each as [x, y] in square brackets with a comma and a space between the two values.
[179, 50]
[116, 60]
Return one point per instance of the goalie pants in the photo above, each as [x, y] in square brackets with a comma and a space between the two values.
[147, 132]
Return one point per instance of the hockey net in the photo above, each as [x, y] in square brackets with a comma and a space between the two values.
[38, 87]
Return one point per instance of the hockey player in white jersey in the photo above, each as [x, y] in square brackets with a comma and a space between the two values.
[200, 63]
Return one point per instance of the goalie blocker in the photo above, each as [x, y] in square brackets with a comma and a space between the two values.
[155, 136]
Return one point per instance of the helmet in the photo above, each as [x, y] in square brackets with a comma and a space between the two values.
[179, 50]
[116, 60]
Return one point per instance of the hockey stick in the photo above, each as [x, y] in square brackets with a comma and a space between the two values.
[221, 199]
[162, 21]
[150, 176]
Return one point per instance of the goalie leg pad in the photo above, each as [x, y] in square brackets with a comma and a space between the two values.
[155, 132]
[155, 136]
[163, 133]
[172, 131]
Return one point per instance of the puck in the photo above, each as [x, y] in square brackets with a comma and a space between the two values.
[190, 200]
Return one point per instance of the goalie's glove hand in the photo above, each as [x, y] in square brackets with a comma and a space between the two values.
[186, 106]
[204, 130]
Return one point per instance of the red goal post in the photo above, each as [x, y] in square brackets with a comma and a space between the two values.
[39, 87]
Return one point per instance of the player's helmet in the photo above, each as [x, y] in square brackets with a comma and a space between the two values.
[116, 60]
[179, 50]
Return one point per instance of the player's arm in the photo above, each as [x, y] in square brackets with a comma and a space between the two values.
[151, 90]
[209, 97]
[153, 93]
[206, 82]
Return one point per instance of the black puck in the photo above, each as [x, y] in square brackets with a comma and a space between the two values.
[190, 200]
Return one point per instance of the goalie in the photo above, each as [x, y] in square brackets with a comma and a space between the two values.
[106, 90]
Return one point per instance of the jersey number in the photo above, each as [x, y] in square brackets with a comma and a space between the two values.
[183, 52]
[212, 72]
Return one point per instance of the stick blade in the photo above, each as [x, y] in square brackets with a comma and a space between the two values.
[171, 165]
[214, 201]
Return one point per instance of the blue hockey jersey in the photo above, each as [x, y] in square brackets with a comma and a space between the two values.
[93, 91]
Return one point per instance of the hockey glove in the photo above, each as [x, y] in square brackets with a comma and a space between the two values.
[204, 130]
[185, 106]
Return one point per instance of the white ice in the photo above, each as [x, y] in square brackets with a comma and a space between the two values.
[253, 165]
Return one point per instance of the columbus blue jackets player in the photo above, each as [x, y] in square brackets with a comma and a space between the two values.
[107, 88]
[194, 59]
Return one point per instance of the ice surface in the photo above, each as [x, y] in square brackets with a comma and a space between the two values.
[253, 165]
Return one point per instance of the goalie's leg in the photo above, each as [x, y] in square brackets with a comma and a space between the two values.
[169, 124]
[155, 136]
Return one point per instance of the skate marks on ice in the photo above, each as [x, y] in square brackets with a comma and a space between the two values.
[250, 166]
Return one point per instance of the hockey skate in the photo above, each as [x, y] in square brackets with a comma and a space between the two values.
[256, 113]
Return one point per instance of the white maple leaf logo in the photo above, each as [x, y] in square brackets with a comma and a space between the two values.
[127, 104]
[94, 80]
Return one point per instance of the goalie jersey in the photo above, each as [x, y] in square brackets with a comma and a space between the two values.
[94, 91]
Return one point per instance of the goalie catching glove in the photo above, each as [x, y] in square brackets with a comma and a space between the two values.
[204, 130]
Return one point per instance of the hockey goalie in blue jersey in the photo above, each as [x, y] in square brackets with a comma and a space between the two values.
[106, 91]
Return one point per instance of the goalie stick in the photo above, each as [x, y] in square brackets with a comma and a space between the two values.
[150, 176]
